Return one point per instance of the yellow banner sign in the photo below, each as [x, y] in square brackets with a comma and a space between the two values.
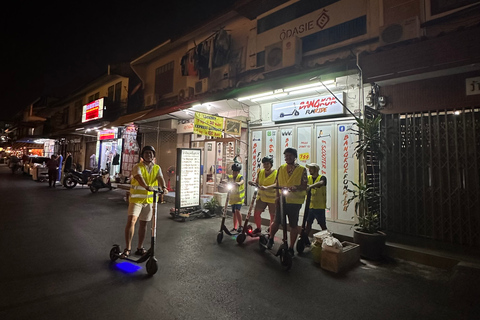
[208, 125]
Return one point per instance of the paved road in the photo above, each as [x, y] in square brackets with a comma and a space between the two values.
[55, 265]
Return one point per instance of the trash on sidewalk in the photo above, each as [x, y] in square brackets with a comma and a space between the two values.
[338, 260]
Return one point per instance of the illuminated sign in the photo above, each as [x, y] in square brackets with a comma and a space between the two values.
[305, 109]
[93, 110]
[106, 134]
[208, 125]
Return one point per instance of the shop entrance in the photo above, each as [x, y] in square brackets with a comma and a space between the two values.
[110, 156]
[218, 157]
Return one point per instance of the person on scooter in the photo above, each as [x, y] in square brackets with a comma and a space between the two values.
[317, 184]
[237, 195]
[265, 197]
[293, 176]
[146, 175]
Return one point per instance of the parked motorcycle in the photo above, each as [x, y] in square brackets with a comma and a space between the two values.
[100, 181]
[72, 177]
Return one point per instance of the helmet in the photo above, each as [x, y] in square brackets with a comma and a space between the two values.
[292, 151]
[268, 159]
[148, 148]
[236, 167]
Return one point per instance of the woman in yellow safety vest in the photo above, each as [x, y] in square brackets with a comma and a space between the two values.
[265, 197]
[294, 177]
[317, 184]
[237, 196]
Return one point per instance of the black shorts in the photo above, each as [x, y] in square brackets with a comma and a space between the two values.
[292, 211]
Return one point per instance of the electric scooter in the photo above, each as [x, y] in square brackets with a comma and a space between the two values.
[149, 256]
[223, 228]
[247, 228]
[302, 240]
[282, 252]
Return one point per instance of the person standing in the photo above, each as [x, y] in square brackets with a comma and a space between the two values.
[146, 175]
[52, 165]
[237, 195]
[265, 197]
[317, 185]
[293, 176]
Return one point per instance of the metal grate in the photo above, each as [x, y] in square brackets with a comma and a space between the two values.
[431, 182]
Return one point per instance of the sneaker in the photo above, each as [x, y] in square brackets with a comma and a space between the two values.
[233, 230]
[257, 231]
[240, 229]
[140, 251]
[270, 243]
[291, 252]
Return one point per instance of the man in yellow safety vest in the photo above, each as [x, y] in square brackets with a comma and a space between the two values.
[317, 184]
[293, 176]
[146, 175]
[237, 196]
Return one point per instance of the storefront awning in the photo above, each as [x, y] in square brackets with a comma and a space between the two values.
[129, 118]
[19, 145]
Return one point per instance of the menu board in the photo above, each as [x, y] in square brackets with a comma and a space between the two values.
[187, 193]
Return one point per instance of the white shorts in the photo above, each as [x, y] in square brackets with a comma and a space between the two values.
[142, 211]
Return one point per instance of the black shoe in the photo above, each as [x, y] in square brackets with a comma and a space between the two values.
[307, 242]
[140, 251]
[240, 229]
[233, 230]
[270, 243]
[257, 231]
[291, 252]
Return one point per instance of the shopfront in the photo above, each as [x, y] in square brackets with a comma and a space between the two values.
[109, 150]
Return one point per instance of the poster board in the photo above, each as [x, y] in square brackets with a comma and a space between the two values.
[187, 194]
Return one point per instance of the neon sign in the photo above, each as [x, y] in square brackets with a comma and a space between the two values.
[93, 110]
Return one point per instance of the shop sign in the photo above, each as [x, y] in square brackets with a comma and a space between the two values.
[304, 143]
[233, 127]
[208, 125]
[271, 143]
[185, 126]
[188, 181]
[106, 134]
[346, 170]
[256, 153]
[323, 137]
[473, 86]
[93, 110]
[310, 108]
[286, 138]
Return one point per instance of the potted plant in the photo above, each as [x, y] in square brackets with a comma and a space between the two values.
[212, 206]
[370, 147]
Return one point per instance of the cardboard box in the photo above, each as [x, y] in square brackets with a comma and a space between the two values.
[341, 261]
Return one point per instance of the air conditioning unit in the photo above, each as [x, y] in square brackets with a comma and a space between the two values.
[185, 93]
[220, 78]
[201, 86]
[396, 32]
[283, 54]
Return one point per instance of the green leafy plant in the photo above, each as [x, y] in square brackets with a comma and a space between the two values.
[212, 205]
[370, 146]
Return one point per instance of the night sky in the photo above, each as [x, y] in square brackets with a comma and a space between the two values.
[54, 48]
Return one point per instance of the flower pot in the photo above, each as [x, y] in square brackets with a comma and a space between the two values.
[372, 245]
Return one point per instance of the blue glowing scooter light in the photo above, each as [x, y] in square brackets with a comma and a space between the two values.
[128, 267]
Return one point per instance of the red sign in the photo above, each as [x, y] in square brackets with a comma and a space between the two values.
[106, 134]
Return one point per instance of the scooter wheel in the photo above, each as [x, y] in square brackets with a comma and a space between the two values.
[152, 266]
[69, 183]
[300, 245]
[114, 253]
[219, 237]
[285, 259]
[93, 189]
[241, 238]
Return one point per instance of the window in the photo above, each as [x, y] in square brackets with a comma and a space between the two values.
[118, 91]
[65, 116]
[97, 96]
[164, 79]
[110, 93]
[90, 98]
[78, 110]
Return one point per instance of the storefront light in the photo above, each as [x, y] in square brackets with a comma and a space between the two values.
[273, 96]
[256, 96]
[312, 86]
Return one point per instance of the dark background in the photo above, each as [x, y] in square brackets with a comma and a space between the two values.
[52, 49]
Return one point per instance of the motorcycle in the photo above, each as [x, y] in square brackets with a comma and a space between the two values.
[100, 181]
[73, 177]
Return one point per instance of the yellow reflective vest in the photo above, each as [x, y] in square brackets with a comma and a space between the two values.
[267, 196]
[237, 195]
[139, 194]
[318, 199]
[284, 180]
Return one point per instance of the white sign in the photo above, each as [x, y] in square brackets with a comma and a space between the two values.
[271, 143]
[189, 179]
[346, 170]
[310, 108]
[473, 86]
[286, 139]
[304, 145]
[323, 136]
[185, 126]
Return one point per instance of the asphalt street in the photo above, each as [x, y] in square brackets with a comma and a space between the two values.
[55, 264]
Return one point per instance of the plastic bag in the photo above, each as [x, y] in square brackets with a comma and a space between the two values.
[332, 244]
